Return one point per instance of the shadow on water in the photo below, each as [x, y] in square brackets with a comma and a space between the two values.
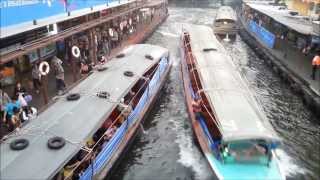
[167, 150]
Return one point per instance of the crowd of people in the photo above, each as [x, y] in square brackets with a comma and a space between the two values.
[15, 110]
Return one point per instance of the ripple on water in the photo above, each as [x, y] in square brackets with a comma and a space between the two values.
[167, 150]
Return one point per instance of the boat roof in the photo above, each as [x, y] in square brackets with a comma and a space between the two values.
[75, 121]
[296, 23]
[226, 13]
[28, 26]
[236, 109]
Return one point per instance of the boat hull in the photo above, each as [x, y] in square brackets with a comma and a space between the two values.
[219, 169]
[131, 134]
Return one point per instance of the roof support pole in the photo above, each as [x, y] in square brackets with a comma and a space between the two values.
[92, 46]
[44, 84]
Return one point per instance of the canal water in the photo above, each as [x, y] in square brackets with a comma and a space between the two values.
[166, 150]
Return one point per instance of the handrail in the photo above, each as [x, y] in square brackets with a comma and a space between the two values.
[26, 48]
[112, 124]
[197, 86]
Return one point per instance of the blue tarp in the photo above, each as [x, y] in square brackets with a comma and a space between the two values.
[107, 151]
[264, 35]
[30, 10]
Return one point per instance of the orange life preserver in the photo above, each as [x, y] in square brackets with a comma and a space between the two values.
[316, 61]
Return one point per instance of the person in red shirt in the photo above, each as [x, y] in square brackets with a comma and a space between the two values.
[315, 65]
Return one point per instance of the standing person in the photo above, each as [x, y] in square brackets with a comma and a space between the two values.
[36, 77]
[315, 65]
[19, 89]
[59, 74]
[196, 107]
[4, 100]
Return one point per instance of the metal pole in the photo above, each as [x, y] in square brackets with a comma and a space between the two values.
[44, 84]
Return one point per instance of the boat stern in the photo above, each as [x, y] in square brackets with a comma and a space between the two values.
[245, 171]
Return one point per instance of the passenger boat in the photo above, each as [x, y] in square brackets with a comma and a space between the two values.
[225, 23]
[83, 135]
[231, 130]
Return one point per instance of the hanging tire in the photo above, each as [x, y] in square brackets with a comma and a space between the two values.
[128, 73]
[56, 143]
[19, 144]
[73, 97]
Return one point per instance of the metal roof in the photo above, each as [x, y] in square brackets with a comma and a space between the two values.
[226, 12]
[282, 16]
[75, 121]
[28, 26]
[235, 107]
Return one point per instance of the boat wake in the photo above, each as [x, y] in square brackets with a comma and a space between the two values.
[189, 154]
[288, 167]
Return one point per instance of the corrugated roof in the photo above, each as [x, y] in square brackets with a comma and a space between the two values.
[234, 105]
[282, 16]
[75, 121]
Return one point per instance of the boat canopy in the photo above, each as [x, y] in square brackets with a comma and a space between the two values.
[75, 121]
[235, 108]
[226, 13]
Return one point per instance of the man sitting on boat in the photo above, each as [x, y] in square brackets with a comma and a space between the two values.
[125, 108]
[196, 106]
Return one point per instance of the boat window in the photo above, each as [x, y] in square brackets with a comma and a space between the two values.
[246, 152]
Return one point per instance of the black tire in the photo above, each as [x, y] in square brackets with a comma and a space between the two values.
[56, 143]
[102, 68]
[73, 97]
[148, 57]
[121, 55]
[19, 144]
[128, 73]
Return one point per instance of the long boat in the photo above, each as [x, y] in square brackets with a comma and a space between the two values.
[225, 23]
[232, 131]
[83, 134]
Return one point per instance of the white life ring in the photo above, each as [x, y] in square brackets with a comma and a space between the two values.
[121, 26]
[47, 70]
[75, 51]
[130, 21]
[110, 32]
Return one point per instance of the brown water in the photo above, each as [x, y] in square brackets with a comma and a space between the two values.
[167, 150]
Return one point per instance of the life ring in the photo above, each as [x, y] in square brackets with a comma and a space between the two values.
[121, 26]
[56, 143]
[75, 51]
[46, 70]
[128, 73]
[19, 144]
[73, 97]
[110, 32]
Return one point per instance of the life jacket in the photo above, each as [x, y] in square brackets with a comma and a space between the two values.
[316, 61]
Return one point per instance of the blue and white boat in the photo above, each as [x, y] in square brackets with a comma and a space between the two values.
[82, 135]
[232, 131]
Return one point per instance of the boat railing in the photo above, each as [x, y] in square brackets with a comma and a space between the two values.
[190, 58]
[90, 156]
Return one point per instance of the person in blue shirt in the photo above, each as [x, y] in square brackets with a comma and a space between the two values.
[9, 110]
